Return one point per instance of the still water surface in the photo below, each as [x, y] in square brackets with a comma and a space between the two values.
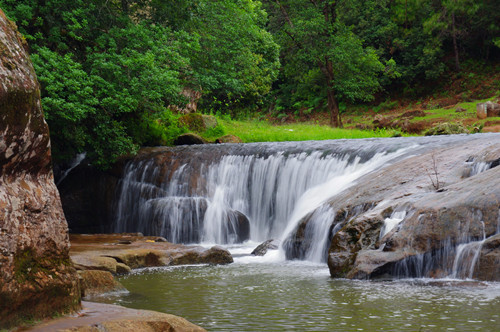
[268, 294]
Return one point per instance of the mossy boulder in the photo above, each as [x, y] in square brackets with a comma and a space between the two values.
[447, 128]
[96, 282]
[198, 122]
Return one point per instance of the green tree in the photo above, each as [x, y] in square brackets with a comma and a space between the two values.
[234, 60]
[318, 47]
[111, 68]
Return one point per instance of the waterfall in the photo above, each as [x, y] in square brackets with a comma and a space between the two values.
[74, 163]
[231, 196]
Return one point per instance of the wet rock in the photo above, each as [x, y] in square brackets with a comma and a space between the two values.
[199, 255]
[36, 276]
[264, 247]
[488, 265]
[96, 317]
[102, 252]
[189, 139]
[240, 227]
[424, 243]
[228, 139]
[96, 282]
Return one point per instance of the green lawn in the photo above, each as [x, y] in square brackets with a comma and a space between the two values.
[261, 131]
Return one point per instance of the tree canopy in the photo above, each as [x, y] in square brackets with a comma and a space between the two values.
[113, 72]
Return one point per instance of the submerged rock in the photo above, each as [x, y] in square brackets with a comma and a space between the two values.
[96, 282]
[37, 279]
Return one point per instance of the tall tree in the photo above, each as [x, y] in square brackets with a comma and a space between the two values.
[318, 47]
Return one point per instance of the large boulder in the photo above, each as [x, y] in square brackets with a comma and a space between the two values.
[36, 276]
[487, 110]
[443, 207]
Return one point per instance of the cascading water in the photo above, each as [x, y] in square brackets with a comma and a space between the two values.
[232, 193]
[268, 192]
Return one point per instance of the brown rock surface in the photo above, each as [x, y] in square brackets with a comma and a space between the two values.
[98, 317]
[96, 282]
[464, 207]
[108, 252]
[36, 276]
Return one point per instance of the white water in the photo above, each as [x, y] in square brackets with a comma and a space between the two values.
[274, 192]
[75, 162]
[391, 222]
[199, 197]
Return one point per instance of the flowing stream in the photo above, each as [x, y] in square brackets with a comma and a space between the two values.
[240, 195]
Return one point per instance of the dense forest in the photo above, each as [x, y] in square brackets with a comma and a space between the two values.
[115, 73]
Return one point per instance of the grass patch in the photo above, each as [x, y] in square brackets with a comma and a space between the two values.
[261, 131]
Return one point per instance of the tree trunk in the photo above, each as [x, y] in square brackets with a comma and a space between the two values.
[333, 105]
[455, 46]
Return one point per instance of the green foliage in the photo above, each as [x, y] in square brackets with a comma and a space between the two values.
[447, 128]
[322, 56]
[68, 100]
[109, 70]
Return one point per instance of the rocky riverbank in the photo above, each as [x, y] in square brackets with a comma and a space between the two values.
[98, 257]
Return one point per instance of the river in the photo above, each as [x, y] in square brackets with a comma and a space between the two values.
[270, 294]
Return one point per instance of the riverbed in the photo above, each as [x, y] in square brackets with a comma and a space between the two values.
[271, 294]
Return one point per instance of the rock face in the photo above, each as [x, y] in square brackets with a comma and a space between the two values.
[36, 276]
[412, 222]
[87, 197]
